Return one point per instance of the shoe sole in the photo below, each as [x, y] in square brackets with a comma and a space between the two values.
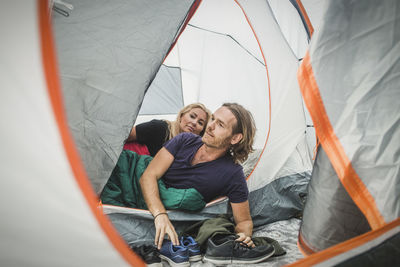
[223, 261]
[175, 264]
[195, 258]
[156, 264]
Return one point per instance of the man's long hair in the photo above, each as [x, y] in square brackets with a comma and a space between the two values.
[246, 126]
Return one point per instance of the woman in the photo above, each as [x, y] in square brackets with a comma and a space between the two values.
[192, 118]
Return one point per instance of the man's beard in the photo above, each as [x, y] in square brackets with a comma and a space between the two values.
[219, 143]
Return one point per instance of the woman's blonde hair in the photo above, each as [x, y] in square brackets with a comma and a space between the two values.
[174, 126]
[246, 126]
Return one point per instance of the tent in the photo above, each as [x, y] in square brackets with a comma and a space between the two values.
[216, 59]
[350, 84]
[71, 94]
[211, 53]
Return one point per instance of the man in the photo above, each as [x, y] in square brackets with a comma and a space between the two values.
[208, 164]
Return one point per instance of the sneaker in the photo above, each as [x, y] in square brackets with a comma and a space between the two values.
[193, 248]
[177, 256]
[225, 250]
[149, 254]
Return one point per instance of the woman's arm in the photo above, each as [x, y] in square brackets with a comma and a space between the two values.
[148, 182]
[132, 135]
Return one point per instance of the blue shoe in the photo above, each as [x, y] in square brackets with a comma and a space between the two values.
[192, 246]
[177, 256]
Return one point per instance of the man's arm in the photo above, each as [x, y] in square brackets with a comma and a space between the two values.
[148, 182]
[243, 221]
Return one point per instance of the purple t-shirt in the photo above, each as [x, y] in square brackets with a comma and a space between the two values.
[220, 177]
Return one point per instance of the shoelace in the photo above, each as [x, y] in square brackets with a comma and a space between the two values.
[239, 245]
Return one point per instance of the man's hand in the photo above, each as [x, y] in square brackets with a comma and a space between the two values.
[164, 226]
[244, 223]
[245, 239]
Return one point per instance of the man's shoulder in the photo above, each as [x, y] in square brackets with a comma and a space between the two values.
[230, 164]
[188, 137]
[183, 140]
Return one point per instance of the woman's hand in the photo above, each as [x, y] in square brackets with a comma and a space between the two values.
[164, 226]
[245, 239]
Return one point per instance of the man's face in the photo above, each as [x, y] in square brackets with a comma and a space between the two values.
[219, 130]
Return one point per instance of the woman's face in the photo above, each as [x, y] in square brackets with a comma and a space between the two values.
[193, 121]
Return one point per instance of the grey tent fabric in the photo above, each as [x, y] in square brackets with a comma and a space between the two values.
[281, 199]
[362, 100]
[164, 95]
[324, 229]
[361, 70]
[355, 59]
[105, 73]
[108, 54]
[382, 251]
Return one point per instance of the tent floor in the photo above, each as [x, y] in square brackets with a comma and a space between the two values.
[285, 232]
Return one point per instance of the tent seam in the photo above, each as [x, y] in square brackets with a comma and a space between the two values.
[333, 148]
[51, 77]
